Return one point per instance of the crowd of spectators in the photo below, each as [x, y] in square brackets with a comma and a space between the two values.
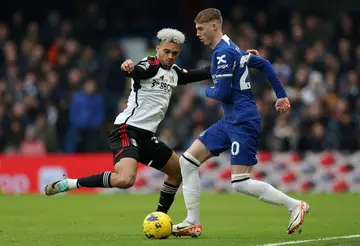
[61, 86]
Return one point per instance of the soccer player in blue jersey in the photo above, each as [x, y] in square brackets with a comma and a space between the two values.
[238, 131]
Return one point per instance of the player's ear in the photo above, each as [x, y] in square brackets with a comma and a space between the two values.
[157, 48]
[213, 25]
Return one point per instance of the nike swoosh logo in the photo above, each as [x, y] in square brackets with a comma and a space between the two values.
[53, 184]
[181, 227]
[293, 221]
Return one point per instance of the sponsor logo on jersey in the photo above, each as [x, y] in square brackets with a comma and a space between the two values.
[221, 62]
[223, 66]
[220, 59]
[164, 83]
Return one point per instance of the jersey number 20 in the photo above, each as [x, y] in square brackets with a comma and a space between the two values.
[244, 85]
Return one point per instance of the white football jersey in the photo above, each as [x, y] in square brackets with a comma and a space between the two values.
[147, 105]
[152, 86]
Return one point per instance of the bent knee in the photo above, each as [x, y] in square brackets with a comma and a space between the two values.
[128, 182]
[124, 181]
[187, 160]
[239, 182]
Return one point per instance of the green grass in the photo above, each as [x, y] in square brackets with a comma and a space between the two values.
[117, 220]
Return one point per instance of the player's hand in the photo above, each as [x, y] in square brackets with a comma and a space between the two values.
[128, 66]
[282, 105]
[254, 52]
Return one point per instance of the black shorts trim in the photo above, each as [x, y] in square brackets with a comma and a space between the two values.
[126, 153]
[142, 145]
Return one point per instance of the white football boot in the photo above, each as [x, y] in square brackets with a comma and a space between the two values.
[297, 217]
[187, 229]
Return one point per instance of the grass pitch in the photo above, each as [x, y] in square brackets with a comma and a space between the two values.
[227, 219]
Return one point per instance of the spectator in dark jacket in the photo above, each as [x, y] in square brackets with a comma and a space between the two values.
[86, 118]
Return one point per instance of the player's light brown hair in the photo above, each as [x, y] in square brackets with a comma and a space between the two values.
[207, 15]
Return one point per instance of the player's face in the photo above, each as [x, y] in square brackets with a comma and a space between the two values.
[167, 53]
[205, 32]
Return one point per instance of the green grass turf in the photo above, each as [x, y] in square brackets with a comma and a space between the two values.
[227, 219]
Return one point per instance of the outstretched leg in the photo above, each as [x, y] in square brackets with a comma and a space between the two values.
[123, 178]
[242, 183]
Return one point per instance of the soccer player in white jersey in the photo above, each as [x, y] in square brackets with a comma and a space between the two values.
[133, 139]
[239, 130]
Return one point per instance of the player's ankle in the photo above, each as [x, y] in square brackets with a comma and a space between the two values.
[72, 184]
[293, 205]
[192, 221]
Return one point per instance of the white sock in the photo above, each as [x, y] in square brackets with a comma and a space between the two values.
[72, 184]
[265, 192]
[191, 187]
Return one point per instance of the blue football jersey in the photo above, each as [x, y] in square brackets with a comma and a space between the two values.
[230, 73]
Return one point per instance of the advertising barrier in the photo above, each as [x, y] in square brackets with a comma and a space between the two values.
[290, 172]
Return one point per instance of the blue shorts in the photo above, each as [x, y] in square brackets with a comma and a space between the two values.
[242, 139]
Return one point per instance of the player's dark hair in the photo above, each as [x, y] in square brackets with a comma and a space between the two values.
[207, 15]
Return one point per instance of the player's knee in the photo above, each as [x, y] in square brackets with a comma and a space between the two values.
[187, 161]
[124, 181]
[129, 181]
[239, 182]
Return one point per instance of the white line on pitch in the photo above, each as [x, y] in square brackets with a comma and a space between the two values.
[312, 240]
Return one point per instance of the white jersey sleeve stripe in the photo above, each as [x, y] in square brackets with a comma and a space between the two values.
[223, 75]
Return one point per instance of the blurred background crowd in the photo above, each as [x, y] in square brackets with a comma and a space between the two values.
[61, 86]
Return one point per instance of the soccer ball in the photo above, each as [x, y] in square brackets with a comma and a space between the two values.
[157, 225]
